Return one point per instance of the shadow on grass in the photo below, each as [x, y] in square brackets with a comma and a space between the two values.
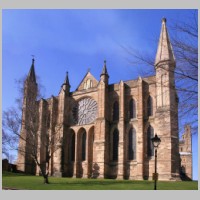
[103, 182]
[11, 174]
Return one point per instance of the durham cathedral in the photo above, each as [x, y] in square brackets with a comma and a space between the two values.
[106, 129]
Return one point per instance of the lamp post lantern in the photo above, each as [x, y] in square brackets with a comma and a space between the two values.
[156, 141]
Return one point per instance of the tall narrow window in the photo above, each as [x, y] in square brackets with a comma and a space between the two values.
[87, 84]
[149, 106]
[132, 109]
[150, 134]
[72, 147]
[115, 144]
[132, 144]
[115, 111]
[83, 146]
[48, 121]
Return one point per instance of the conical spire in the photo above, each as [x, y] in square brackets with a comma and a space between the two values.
[104, 71]
[66, 82]
[164, 51]
[31, 74]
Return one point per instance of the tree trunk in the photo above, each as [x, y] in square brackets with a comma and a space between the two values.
[46, 180]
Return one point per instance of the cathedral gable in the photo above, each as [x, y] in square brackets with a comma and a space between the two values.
[88, 82]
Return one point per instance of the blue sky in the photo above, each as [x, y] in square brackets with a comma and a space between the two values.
[75, 40]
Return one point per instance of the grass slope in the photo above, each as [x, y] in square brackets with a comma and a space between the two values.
[20, 181]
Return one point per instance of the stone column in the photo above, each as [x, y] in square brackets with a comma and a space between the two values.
[100, 130]
[99, 148]
[85, 163]
[60, 123]
[140, 132]
[121, 132]
[75, 156]
[41, 138]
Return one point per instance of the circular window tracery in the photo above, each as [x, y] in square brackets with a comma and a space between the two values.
[85, 112]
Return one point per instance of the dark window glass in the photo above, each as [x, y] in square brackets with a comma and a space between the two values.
[115, 111]
[48, 121]
[115, 145]
[83, 145]
[150, 106]
[132, 144]
[132, 109]
[150, 134]
[72, 149]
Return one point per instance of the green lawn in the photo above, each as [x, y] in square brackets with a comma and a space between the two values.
[20, 181]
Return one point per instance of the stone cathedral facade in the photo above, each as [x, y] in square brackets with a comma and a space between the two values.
[107, 128]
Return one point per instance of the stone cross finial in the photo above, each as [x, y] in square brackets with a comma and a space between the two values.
[33, 58]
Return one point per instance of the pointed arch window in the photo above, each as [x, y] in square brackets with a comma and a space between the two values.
[149, 106]
[48, 121]
[132, 109]
[88, 84]
[150, 134]
[132, 144]
[116, 111]
[115, 144]
[72, 147]
[83, 146]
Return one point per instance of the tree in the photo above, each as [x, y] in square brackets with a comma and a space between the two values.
[5, 140]
[8, 142]
[22, 127]
[184, 40]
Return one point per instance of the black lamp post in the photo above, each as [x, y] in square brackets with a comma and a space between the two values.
[156, 141]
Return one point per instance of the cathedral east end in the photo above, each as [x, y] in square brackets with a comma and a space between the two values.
[106, 129]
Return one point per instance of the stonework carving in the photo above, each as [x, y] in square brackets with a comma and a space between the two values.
[85, 112]
[89, 131]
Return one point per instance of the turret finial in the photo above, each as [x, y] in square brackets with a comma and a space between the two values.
[104, 71]
[33, 59]
[31, 74]
[67, 79]
[164, 20]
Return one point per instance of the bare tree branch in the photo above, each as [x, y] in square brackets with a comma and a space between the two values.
[185, 45]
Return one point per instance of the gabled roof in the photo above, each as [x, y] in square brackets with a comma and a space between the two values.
[85, 78]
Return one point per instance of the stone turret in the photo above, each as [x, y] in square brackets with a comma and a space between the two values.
[31, 74]
[30, 86]
[164, 51]
[166, 116]
[104, 74]
[165, 66]
[185, 149]
[66, 85]
[29, 114]
[102, 122]
[63, 123]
